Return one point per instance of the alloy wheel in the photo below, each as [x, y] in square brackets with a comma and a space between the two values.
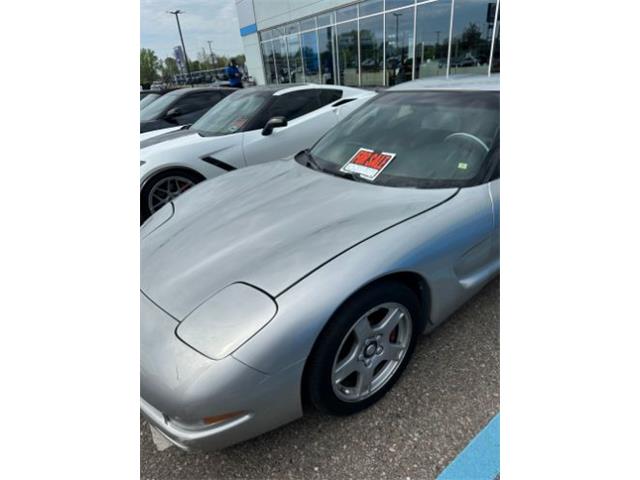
[371, 352]
[165, 190]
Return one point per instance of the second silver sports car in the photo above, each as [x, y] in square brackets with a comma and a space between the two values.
[307, 281]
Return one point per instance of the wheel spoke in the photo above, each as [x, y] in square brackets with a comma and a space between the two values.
[389, 322]
[392, 351]
[363, 329]
[365, 375]
[346, 367]
[159, 198]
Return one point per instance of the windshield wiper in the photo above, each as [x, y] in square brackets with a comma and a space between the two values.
[348, 175]
[310, 161]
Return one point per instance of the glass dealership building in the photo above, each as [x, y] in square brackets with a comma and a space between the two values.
[370, 42]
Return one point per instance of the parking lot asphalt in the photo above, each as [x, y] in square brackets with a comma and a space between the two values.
[447, 394]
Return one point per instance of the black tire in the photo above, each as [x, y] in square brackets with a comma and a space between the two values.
[317, 378]
[145, 212]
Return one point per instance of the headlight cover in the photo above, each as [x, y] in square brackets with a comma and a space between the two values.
[219, 326]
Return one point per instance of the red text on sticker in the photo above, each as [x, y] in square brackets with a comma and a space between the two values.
[368, 163]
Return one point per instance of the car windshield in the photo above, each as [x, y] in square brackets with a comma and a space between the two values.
[430, 139]
[149, 98]
[232, 113]
[154, 109]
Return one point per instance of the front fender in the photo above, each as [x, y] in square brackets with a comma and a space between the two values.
[429, 245]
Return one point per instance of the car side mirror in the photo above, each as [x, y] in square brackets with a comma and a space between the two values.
[275, 122]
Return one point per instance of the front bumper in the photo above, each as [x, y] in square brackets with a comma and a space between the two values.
[215, 437]
[179, 387]
[268, 405]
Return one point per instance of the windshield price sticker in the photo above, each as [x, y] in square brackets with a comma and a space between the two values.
[368, 163]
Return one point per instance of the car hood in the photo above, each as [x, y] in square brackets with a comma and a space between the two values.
[158, 133]
[165, 136]
[269, 226]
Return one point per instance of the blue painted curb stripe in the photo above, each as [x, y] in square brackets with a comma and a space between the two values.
[480, 460]
[248, 30]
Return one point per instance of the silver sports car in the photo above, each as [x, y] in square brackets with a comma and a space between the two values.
[305, 282]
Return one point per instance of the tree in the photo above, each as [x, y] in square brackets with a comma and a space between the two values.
[148, 66]
[471, 36]
[169, 69]
[205, 60]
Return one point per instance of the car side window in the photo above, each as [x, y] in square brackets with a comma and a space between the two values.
[197, 101]
[329, 96]
[295, 104]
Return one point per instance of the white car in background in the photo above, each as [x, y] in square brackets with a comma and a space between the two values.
[250, 126]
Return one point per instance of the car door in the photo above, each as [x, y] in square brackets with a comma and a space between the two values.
[307, 122]
[476, 231]
[494, 190]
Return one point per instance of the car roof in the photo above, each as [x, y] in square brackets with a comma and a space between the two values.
[186, 90]
[456, 82]
[292, 87]
[158, 90]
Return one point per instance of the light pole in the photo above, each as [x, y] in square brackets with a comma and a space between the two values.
[211, 52]
[398, 50]
[397, 15]
[184, 50]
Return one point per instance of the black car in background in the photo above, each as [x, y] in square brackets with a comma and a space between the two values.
[149, 96]
[180, 107]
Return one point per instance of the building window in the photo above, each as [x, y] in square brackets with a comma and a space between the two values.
[281, 60]
[348, 53]
[310, 56]
[308, 24]
[495, 65]
[325, 19]
[471, 37]
[292, 28]
[369, 7]
[398, 3]
[432, 38]
[371, 44]
[296, 74]
[325, 47]
[347, 13]
[399, 46]
[267, 58]
[385, 42]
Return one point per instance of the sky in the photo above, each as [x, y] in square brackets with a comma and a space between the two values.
[215, 20]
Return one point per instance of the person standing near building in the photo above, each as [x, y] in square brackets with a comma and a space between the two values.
[235, 77]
